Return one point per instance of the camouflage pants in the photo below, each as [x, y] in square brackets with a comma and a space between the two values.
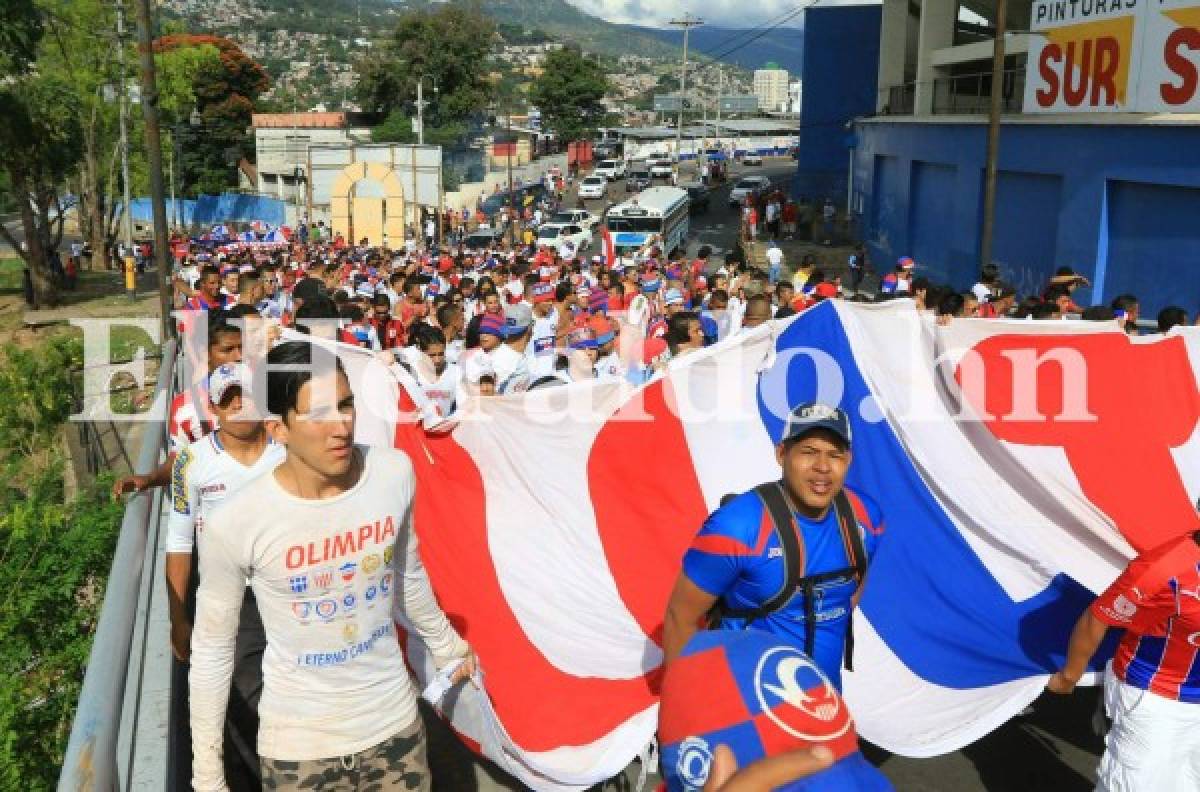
[397, 763]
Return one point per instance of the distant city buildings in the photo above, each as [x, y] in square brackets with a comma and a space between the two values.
[771, 88]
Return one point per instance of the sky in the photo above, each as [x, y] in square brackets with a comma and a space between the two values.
[719, 13]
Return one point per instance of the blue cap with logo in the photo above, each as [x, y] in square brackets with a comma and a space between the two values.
[810, 416]
[760, 696]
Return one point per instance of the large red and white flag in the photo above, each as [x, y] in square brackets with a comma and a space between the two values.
[1018, 465]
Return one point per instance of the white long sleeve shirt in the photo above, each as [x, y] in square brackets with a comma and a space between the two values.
[325, 575]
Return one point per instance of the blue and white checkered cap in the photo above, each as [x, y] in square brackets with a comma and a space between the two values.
[812, 415]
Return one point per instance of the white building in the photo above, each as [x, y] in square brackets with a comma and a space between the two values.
[795, 94]
[281, 143]
[771, 88]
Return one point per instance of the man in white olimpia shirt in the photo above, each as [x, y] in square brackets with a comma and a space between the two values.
[205, 473]
[326, 541]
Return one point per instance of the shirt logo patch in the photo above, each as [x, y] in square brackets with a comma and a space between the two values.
[298, 583]
[347, 571]
[694, 762]
[385, 583]
[326, 608]
[370, 563]
[302, 610]
[323, 578]
[786, 675]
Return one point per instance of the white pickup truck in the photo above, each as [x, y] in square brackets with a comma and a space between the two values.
[610, 169]
[579, 217]
[662, 168]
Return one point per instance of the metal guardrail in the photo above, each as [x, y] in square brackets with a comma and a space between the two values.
[90, 764]
[971, 93]
[901, 99]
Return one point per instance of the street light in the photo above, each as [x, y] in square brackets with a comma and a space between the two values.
[299, 177]
[421, 106]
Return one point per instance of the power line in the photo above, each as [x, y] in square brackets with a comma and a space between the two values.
[759, 34]
[687, 23]
[781, 19]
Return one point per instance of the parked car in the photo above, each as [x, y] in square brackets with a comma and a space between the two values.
[638, 178]
[557, 234]
[483, 238]
[750, 185]
[611, 169]
[594, 187]
[661, 168]
[698, 196]
[752, 158]
[497, 201]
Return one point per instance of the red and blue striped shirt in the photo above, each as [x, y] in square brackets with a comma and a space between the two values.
[1156, 600]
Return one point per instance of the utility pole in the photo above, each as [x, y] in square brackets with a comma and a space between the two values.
[509, 146]
[687, 23]
[993, 138]
[123, 87]
[720, 92]
[145, 39]
[420, 112]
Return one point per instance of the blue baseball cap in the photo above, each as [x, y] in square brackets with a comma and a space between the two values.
[811, 416]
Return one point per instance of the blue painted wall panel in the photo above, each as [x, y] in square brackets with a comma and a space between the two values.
[841, 71]
[929, 214]
[1154, 245]
[213, 209]
[1052, 187]
[1026, 228]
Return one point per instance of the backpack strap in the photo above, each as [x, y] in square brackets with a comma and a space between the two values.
[775, 505]
[856, 553]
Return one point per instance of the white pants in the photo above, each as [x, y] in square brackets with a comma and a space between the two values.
[1154, 742]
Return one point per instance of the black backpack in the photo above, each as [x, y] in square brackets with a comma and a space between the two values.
[775, 502]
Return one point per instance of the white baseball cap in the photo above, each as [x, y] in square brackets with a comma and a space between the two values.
[229, 375]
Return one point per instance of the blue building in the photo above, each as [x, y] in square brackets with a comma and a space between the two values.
[1114, 195]
[841, 66]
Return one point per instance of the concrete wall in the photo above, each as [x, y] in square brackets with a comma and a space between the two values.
[1118, 202]
[841, 71]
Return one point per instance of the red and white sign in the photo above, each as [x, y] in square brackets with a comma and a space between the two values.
[1114, 55]
[1170, 79]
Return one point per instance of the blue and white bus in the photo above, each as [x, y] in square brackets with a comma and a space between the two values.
[657, 212]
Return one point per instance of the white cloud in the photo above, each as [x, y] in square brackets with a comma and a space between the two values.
[719, 13]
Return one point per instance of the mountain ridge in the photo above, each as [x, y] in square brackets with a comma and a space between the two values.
[783, 46]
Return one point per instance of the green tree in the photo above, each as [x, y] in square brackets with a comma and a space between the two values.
[569, 92]
[20, 31]
[81, 49]
[42, 141]
[225, 90]
[54, 557]
[448, 46]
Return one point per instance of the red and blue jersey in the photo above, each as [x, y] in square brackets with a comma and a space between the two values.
[737, 556]
[198, 302]
[1156, 600]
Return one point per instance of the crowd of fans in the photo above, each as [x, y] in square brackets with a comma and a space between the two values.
[514, 316]
[505, 317]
